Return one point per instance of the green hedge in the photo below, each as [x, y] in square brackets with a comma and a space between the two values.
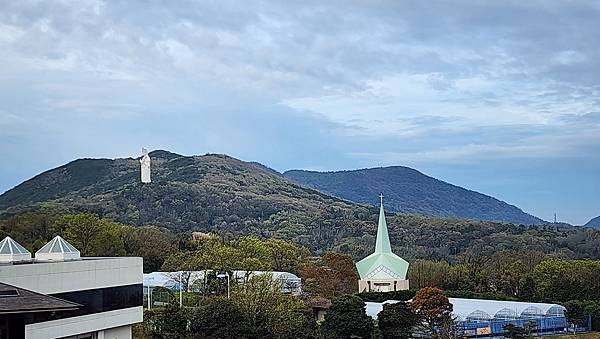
[383, 296]
[409, 294]
[476, 295]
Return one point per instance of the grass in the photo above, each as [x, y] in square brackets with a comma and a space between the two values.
[591, 335]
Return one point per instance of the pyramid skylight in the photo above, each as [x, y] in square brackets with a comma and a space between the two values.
[12, 251]
[57, 249]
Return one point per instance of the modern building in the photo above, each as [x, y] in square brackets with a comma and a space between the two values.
[487, 318]
[382, 271]
[59, 294]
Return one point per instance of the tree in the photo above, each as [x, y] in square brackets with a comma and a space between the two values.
[151, 243]
[252, 255]
[505, 272]
[219, 318]
[346, 318]
[433, 308]
[460, 277]
[270, 313]
[285, 255]
[396, 320]
[184, 262]
[172, 322]
[93, 236]
[334, 277]
[514, 332]
[425, 273]
[575, 313]
[564, 280]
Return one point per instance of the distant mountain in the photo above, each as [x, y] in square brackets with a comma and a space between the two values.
[594, 223]
[410, 191]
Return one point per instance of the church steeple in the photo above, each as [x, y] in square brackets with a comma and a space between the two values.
[382, 245]
[382, 270]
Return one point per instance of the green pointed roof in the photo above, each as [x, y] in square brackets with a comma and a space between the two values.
[382, 264]
[382, 245]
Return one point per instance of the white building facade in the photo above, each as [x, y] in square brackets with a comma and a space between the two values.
[107, 290]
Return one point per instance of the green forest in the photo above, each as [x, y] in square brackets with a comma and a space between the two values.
[528, 263]
[412, 237]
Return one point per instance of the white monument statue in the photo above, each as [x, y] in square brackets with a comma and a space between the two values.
[145, 164]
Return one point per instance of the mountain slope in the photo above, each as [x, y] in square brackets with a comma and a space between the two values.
[217, 193]
[410, 191]
[207, 193]
[594, 223]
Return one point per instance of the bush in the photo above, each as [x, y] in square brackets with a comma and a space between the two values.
[170, 322]
[219, 318]
[476, 295]
[346, 318]
[396, 320]
[383, 296]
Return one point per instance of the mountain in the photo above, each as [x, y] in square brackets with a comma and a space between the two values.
[230, 197]
[410, 191]
[594, 223]
[212, 192]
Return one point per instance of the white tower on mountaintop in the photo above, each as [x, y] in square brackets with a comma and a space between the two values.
[145, 165]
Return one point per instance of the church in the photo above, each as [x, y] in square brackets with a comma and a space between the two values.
[382, 271]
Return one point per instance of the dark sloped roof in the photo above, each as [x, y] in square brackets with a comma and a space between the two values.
[18, 300]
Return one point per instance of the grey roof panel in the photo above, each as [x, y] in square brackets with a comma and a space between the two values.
[18, 300]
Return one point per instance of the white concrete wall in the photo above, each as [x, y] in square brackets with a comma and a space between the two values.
[123, 332]
[85, 274]
[114, 324]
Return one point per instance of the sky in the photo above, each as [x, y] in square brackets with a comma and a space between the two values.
[501, 97]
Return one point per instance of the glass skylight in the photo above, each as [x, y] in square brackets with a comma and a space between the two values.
[12, 251]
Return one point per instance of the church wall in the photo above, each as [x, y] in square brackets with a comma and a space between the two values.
[383, 285]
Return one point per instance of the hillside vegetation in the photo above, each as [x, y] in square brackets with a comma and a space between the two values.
[229, 197]
[410, 191]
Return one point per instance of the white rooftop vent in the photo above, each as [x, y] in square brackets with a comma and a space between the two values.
[57, 249]
[11, 251]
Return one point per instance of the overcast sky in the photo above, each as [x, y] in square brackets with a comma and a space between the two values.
[502, 97]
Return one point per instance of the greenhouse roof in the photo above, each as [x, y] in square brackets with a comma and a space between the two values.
[477, 310]
[481, 310]
[171, 279]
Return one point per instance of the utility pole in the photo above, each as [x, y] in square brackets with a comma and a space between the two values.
[180, 289]
[226, 275]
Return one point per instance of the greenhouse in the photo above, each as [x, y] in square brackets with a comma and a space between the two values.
[482, 318]
[290, 283]
[476, 317]
[478, 310]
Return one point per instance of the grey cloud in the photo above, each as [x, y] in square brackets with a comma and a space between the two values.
[85, 78]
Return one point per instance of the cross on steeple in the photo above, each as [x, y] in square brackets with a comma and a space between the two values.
[381, 198]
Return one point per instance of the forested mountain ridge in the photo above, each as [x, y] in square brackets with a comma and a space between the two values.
[226, 196]
[410, 191]
[594, 223]
[187, 192]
